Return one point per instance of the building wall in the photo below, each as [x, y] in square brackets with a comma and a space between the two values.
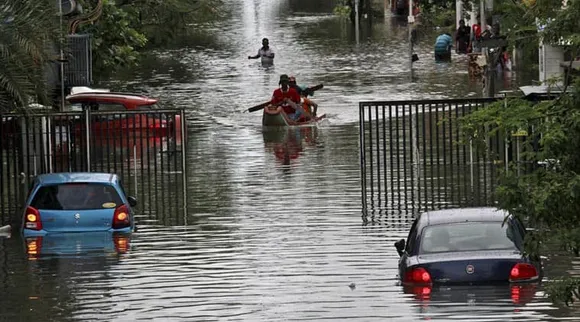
[550, 58]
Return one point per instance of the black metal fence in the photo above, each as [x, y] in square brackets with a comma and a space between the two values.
[413, 158]
[145, 148]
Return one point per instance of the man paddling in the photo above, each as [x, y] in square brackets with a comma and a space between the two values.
[265, 53]
[288, 98]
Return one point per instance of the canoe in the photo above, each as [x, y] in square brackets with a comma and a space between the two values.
[275, 116]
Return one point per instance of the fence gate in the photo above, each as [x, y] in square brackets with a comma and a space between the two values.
[412, 159]
[145, 148]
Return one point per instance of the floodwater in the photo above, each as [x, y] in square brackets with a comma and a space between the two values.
[274, 228]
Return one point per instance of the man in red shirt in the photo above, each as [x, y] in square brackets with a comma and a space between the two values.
[288, 98]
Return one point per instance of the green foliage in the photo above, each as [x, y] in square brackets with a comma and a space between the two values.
[548, 197]
[520, 22]
[27, 31]
[115, 41]
[342, 9]
[566, 291]
[440, 13]
[125, 27]
[164, 21]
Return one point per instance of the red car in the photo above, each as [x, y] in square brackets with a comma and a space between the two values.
[115, 120]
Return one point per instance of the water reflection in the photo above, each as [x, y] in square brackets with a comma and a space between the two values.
[491, 302]
[76, 245]
[287, 144]
[50, 281]
[458, 295]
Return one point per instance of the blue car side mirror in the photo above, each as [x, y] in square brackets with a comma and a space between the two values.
[132, 201]
[400, 246]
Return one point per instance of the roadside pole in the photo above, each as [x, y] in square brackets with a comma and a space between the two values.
[386, 8]
[356, 20]
[458, 12]
[411, 21]
[487, 70]
[61, 58]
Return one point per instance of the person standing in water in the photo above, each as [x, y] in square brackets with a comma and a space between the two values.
[266, 53]
[462, 38]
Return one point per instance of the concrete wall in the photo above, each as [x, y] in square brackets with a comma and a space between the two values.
[549, 62]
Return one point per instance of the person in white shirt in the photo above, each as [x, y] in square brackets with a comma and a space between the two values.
[265, 53]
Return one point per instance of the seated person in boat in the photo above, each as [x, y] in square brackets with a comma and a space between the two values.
[292, 84]
[307, 104]
[288, 98]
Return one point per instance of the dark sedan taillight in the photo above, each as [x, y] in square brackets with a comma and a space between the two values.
[417, 275]
[32, 219]
[523, 272]
[121, 217]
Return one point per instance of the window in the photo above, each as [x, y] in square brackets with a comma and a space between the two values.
[409, 247]
[470, 236]
[148, 107]
[111, 107]
[76, 196]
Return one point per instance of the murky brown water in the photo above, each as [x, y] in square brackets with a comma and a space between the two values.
[274, 229]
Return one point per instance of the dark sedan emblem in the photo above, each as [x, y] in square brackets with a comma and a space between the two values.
[77, 216]
[469, 269]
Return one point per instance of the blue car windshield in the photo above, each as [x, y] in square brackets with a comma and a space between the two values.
[76, 196]
[470, 236]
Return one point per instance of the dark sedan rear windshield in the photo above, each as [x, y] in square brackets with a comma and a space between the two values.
[76, 196]
[469, 236]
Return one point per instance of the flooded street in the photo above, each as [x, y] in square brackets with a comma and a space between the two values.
[274, 229]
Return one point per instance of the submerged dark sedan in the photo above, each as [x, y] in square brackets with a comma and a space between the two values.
[466, 245]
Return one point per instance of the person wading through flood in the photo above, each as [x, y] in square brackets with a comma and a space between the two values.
[266, 53]
[443, 46]
[288, 98]
[309, 106]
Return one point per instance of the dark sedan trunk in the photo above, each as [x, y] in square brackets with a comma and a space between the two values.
[470, 267]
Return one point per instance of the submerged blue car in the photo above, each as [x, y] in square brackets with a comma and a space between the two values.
[74, 202]
[466, 246]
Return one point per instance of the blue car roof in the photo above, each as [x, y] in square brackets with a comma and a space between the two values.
[457, 215]
[70, 177]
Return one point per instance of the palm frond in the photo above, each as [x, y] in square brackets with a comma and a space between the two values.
[27, 28]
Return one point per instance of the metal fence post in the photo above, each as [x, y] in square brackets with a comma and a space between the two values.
[183, 161]
[87, 136]
[471, 163]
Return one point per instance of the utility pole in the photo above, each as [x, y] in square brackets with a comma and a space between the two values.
[458, 12]
[411, 21]
[61, 60]
[356, 20]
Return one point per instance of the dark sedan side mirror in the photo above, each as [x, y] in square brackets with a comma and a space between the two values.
[400, 246]
[132, 201]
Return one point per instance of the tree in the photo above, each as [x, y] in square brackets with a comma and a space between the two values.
[28, 31]
[125, 27]
[547, 197]
[115, 39]
[163, 21]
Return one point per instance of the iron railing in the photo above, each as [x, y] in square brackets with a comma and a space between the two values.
[413, 157]
[145, 148]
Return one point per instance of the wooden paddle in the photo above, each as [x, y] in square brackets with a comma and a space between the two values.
[310, 90]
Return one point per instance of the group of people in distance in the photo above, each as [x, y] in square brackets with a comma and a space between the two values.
[467, 41]
[292, 98]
